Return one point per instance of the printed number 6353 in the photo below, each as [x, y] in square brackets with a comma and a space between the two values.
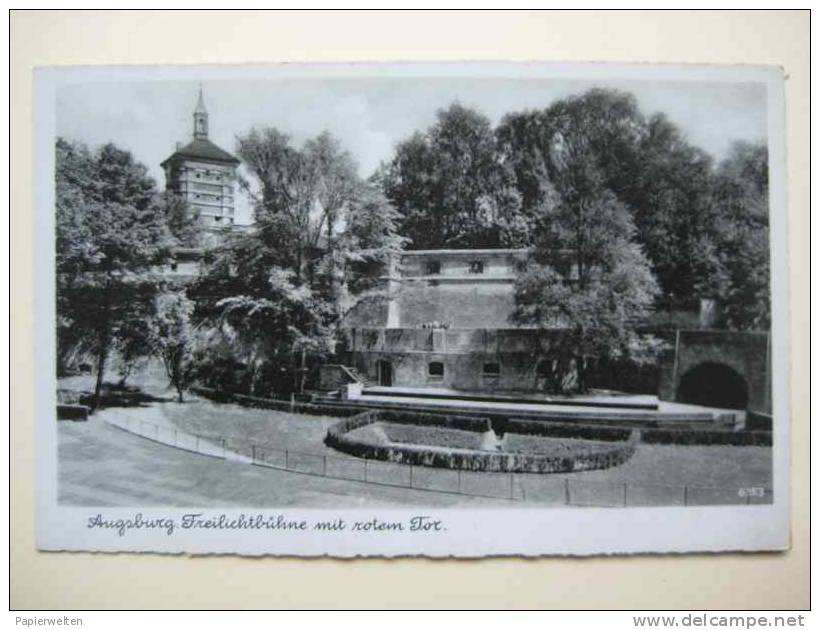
[751, 492]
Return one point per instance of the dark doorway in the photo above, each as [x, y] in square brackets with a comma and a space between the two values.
[714, 385]
[385, 373]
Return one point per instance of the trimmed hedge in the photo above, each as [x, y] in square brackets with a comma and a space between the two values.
[338, 437]
[683, 436]
[274, 404]
[758, 421]
[447, 421]
[703, 437]
[72, 412]
[568, 430]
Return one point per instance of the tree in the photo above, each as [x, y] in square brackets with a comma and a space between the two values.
[742, 199]
[181, 222]
[647, 163]
[586, 276]
[278, 295]
[671, 194]
[448, 186]
[111, 235]
[132, 345]
[172, 337]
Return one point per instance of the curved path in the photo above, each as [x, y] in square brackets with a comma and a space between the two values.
[102, 465]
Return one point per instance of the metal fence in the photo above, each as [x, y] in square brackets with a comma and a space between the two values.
[514, 487]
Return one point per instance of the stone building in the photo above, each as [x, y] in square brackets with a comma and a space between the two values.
[448, 323]
[203, 174]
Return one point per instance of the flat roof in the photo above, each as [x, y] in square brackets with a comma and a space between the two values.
[464, 252]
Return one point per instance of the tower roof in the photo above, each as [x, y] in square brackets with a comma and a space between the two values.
[200, 104]
[203, 149]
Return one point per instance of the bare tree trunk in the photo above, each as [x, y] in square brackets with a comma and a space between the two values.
[102, 357]
[581, 369]
[302, 372]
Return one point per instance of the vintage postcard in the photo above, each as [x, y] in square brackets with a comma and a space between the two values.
[436, 309]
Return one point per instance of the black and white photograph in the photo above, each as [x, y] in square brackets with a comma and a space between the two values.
[411, 309]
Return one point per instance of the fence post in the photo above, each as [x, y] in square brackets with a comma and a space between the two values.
[566, 491]
[286, 458]
[253, 453]
[459, 480]
[365, 470]
[685, 495]
[411, 475]
[512, 486]
[324, 465]
[196, 447]
[156, 432]
[223, 448]
[625, 486]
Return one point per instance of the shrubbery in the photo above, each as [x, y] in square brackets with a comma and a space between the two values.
[338, 437]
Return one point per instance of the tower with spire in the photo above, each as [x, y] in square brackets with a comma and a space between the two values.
[203, 174]
[200, 118]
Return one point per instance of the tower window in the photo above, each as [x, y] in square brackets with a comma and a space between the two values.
[435, 369]
[433, 267]
[477, 266]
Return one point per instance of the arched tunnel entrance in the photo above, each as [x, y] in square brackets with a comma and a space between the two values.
[713, 385]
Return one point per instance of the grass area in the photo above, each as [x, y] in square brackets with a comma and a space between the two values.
[100, 465]
[708, 466]
[263, 427]
[433, 436]
[728, 467]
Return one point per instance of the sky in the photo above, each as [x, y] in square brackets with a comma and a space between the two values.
[370, 116]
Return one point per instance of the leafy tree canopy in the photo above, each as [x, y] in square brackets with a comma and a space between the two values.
[111, 235]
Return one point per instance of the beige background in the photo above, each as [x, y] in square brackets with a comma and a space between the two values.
[74, 581]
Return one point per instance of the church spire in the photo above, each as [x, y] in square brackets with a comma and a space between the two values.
[200, 118]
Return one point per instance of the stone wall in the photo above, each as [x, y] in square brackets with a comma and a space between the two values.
[746, 353]
[456, 304]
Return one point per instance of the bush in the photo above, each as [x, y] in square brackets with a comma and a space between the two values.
[72, 412]
[568, 430]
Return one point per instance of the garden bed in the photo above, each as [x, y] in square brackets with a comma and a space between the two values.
[433, 441]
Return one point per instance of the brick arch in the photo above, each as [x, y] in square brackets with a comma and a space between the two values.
[745, 354]
[713, 384]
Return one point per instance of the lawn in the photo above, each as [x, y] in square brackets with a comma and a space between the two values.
[263, 427]
[656, 474]
[706, 466]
